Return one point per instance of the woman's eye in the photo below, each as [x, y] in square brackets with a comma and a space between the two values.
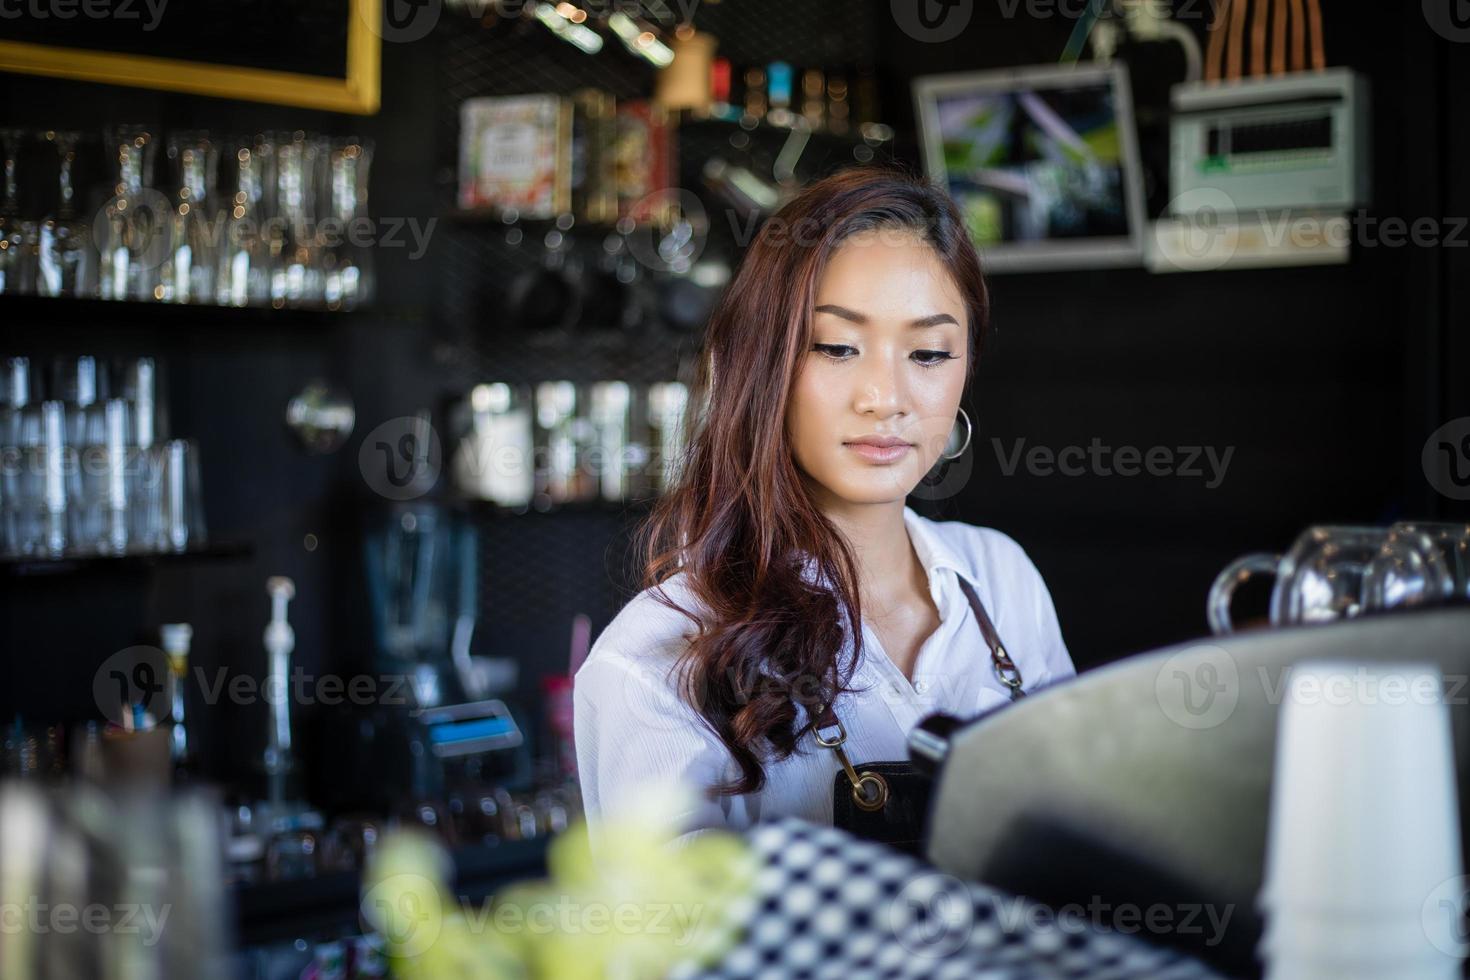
[841, 352]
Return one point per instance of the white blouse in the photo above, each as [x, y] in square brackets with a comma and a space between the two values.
[632, 728]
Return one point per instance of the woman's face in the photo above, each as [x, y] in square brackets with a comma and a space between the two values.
[888, 359]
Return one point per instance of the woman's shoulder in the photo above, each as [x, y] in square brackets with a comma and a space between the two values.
[648, 631]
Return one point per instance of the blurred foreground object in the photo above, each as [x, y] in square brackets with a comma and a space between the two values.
[127, 887]
[633, 911]
[1148, 781]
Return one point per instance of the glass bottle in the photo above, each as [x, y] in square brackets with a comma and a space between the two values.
[176, 638]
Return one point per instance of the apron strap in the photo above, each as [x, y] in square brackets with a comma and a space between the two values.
[870, 790]
[1005, 668]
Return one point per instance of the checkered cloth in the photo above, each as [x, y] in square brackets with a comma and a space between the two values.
[830, 905]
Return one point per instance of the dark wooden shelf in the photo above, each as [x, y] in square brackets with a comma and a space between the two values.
[131, 563]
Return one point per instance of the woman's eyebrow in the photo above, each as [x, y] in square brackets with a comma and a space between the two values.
[933, 319]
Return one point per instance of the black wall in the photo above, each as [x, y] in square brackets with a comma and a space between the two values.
[1324, 382]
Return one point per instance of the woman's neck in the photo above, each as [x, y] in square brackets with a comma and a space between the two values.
[889, 570]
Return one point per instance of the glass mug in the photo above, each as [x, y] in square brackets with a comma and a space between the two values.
[1337, 572]
[1453, 542]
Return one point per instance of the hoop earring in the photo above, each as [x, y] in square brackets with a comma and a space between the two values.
[969, 431]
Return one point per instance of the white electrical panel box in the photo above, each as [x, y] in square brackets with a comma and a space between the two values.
[1298, 141]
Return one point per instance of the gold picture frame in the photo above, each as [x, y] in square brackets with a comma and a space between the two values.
[359, 92]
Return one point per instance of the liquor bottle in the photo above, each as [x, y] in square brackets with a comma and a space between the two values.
[176, 638]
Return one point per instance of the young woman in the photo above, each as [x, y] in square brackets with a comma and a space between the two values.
[785, 573]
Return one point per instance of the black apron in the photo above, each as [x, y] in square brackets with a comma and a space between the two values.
[888, 802]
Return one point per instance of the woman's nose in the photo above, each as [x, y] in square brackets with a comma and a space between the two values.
[879, 388]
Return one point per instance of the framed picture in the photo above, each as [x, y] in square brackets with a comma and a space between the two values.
[1042, 161]
[320, 55]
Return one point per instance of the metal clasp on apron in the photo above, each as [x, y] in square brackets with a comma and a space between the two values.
[869, 789]
[1007, 671]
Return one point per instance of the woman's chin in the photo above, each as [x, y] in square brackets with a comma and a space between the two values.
[875, 487]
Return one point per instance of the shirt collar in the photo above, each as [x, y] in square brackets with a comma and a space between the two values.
[934, 553]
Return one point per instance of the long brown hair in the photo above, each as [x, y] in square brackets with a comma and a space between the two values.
[740, 522]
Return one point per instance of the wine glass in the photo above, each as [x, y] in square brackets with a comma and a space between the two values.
[136, 219]
[244, 263]
[65, 242]
[296, 271]
[348, 278]
[189, 270]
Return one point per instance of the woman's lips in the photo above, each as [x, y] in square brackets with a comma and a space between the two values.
[878, 454]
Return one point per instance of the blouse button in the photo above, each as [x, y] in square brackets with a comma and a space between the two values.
[922, 687]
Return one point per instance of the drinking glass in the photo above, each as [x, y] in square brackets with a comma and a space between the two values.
[140, 386]
[54, 472]
[667, 405]
[18, 236]
[611, 412]
[189, 270]
[116, 489]
[15, 411]
[1453, 542]
[1338, 572]
[177, 521]
[66, 266]
[76, 385]
[296, 272]
[244, 260]
[347, 267]
[137, 219]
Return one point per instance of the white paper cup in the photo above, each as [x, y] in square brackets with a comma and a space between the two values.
[1364, 813]
[1352, 938]
[1293, 966]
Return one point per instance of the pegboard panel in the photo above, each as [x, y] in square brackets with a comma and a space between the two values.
[539, 570]
[806, 33]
